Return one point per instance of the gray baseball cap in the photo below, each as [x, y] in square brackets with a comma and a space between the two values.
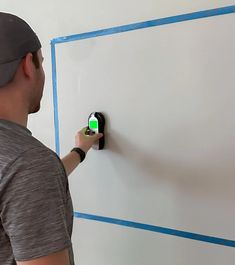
[16, 40]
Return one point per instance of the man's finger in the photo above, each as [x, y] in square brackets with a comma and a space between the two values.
[84, 130]
[98, 135]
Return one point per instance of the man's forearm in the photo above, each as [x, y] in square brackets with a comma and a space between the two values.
[70, 162]
[83, 142]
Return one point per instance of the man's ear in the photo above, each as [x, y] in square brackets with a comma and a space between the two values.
[27, 66]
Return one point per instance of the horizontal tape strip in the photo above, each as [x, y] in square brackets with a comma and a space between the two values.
[147, 24]
[158, 229]
[115, 30]
[135, 26]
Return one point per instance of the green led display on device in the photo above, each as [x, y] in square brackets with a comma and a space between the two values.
[93, 125]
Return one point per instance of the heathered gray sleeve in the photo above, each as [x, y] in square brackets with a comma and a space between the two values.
[34, 208]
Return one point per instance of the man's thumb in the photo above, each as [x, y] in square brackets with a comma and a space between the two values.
[99, 135]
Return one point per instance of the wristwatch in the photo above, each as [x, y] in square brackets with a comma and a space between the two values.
[80, 152]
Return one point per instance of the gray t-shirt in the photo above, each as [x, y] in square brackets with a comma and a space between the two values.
[36, 213]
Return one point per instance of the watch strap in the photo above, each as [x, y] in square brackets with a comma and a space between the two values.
[80, 152]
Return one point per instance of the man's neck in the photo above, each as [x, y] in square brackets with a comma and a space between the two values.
[19, 120]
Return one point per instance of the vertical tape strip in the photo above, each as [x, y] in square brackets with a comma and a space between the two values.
[119, 29]
[115, 30]
[55, 98]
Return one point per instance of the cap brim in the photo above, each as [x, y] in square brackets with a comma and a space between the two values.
[7, 72]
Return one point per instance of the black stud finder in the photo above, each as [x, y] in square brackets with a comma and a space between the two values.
[96, 123]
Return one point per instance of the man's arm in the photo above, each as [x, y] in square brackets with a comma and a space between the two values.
[70, 162]
[83, 141]
[59, 258]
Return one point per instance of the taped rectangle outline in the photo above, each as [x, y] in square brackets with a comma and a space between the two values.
[116, 30]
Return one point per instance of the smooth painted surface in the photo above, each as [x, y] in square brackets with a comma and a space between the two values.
[169, 158]
[128, 246]
[172, 167]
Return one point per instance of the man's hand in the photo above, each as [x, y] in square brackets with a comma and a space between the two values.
[85, 140]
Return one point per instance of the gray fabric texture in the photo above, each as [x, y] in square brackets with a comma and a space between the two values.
[36, 213]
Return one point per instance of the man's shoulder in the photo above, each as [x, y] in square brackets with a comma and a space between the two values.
[23, 149]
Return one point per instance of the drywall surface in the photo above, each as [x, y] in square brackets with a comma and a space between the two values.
[167, 93]
[170, 148]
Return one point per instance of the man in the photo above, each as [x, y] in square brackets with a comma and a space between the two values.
[36, 212]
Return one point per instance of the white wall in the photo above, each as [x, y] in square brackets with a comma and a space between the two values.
[58, 18]
[182, 175]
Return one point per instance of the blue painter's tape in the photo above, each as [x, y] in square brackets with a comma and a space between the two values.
[158, 229]
[147, 24]
[55, 99]
[115, 30]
